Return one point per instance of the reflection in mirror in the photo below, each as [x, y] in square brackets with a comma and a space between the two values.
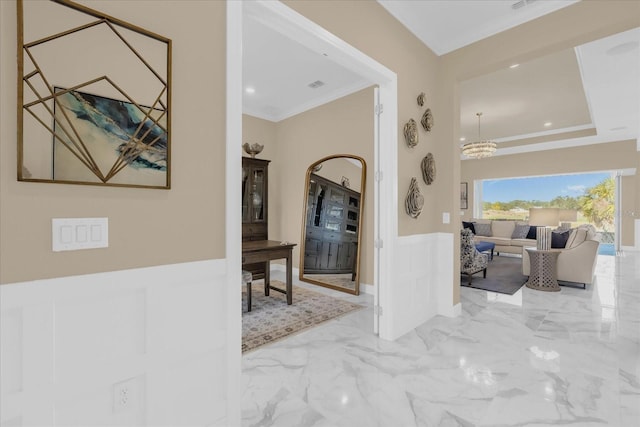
[332, 223]
[100, 117]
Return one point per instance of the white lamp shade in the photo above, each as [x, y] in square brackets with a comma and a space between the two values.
[544, 216]
[568, 215]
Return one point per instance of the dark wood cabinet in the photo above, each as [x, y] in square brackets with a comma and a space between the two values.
[255, 202]
[331, 228]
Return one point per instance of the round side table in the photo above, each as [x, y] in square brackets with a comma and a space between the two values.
[543, 275]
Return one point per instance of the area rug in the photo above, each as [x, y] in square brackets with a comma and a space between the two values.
[504, 275]
[271, 319]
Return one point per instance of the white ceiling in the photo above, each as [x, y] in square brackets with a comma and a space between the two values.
[280, 70]
[447, 25]
[590, 94]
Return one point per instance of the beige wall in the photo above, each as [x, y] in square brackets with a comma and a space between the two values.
[146, 227]
[590, 158]
[153, 227]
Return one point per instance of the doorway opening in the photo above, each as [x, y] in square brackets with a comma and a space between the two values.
[306, 32]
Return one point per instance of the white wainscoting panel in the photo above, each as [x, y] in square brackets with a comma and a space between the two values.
[444, 276]
[66, 342]
[422, 281]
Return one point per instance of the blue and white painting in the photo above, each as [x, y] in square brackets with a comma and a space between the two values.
[107, 128]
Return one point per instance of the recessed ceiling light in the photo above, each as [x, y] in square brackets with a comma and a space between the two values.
[623, 48]
[463, 139]
[249, 89]
[547, 124]
[512, 66]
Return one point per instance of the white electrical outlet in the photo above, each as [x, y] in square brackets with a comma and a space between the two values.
[124, 395]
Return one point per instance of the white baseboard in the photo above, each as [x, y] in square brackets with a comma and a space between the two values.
[630, 249]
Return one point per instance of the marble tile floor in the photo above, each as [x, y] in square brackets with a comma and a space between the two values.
[531, 359]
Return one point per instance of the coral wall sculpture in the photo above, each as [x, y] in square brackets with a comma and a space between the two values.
[428, 167]
[415, 200]
[411, 133]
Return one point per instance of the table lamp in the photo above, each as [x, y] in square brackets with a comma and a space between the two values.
[567, 216]
[543, 218]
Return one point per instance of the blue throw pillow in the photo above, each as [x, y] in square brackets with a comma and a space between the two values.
[532, 232]
[469, 225]
[559, 239]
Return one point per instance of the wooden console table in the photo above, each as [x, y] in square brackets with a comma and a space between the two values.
[255, 251]
[543, 275]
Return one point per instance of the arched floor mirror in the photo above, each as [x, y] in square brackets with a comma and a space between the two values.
[332, 222]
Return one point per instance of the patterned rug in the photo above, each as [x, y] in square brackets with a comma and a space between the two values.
[504, 275]
[271, 319]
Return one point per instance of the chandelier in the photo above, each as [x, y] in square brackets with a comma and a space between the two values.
[480, 148]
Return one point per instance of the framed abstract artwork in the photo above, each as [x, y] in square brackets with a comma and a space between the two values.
[105, 126]
[101, 117]
[464, 196]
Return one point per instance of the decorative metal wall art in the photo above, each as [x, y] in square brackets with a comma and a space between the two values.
[427, 120]
[414, 202]
[428, 167]
[421, 99]
[101, 117]
[411, 133]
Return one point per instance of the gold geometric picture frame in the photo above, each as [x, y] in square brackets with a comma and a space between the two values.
[94, 97]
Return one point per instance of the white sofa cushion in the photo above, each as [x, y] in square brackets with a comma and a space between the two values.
[577, 236]
[503, 228]
[523, 242]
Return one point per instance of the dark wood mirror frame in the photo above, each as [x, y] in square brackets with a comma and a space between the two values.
[335, 238]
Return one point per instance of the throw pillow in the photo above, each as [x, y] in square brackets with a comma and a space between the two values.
[559, 239]
[469, 225]
[532, 232]
[520, 232]
[483, 230]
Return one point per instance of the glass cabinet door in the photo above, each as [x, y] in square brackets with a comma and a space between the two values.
[246, 191]
[257, 195]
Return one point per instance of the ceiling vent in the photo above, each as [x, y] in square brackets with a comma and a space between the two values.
[316, 84]
[521, 3]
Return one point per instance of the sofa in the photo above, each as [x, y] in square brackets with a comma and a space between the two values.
[508, 236]
[577, 260]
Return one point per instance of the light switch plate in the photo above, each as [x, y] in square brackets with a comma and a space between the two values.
[71, 234]
[446, 218]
